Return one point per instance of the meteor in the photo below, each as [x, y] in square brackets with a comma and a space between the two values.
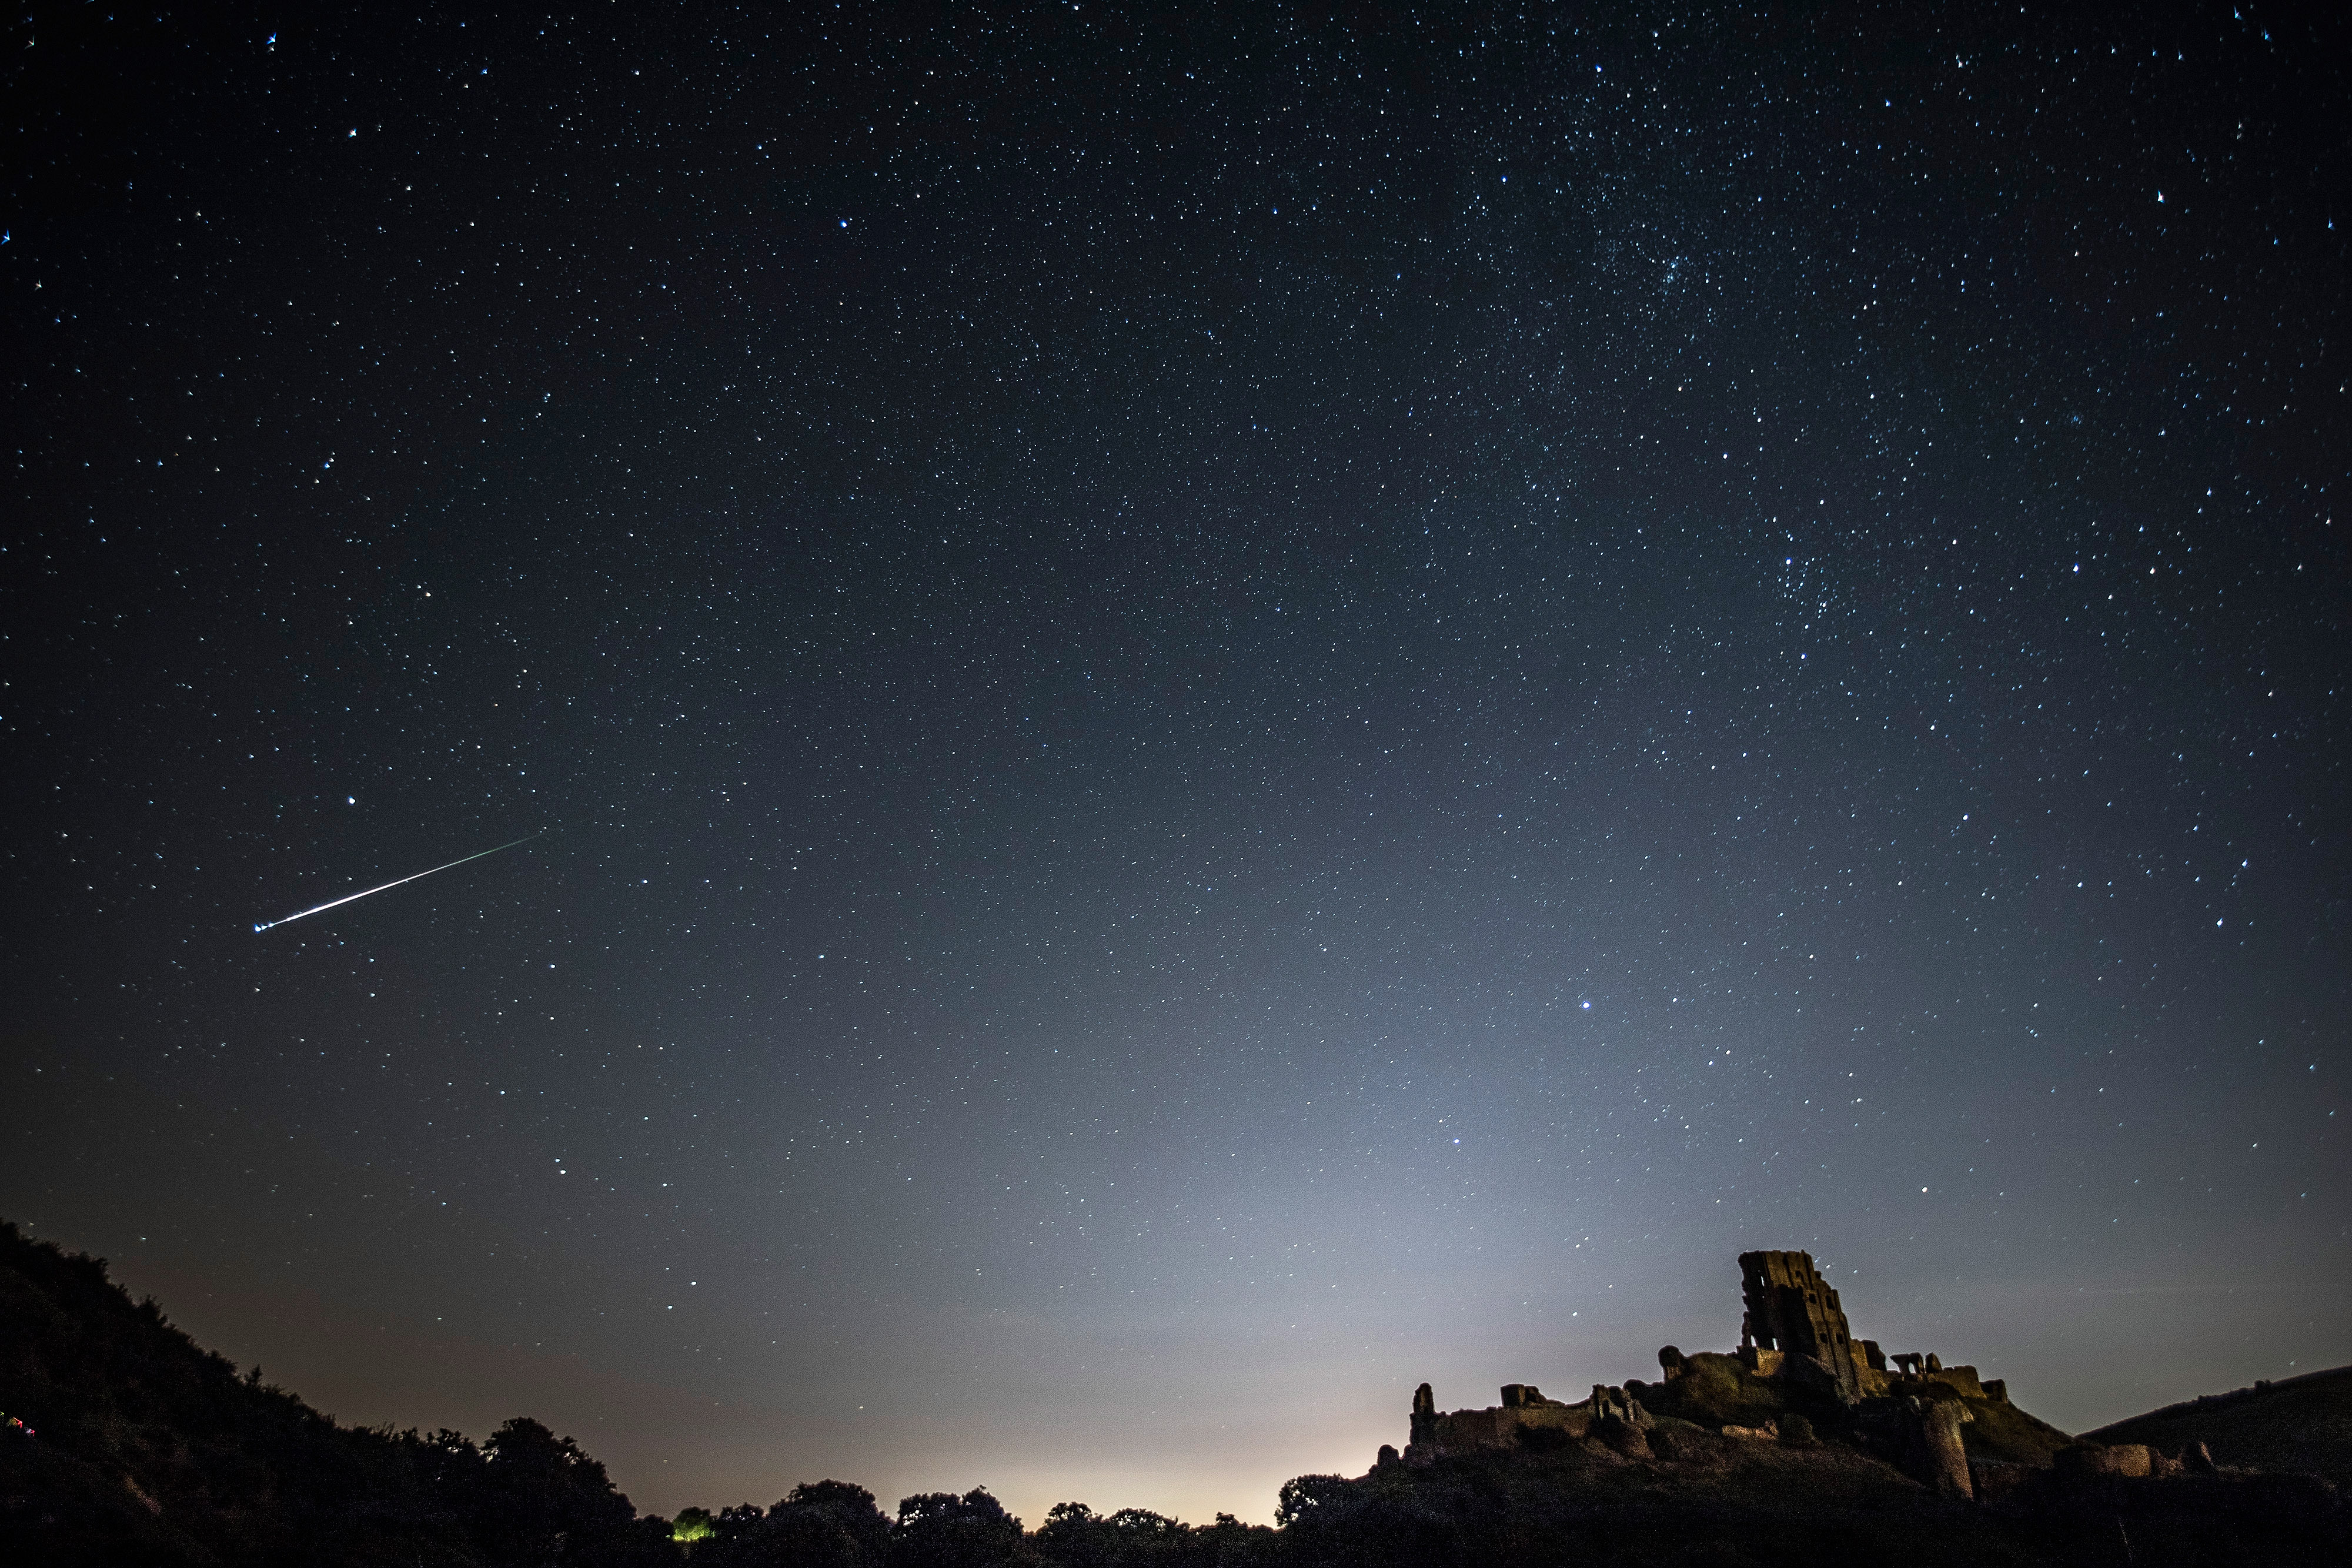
[261, 926]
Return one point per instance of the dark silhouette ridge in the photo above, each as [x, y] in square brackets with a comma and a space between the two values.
[123, 1442]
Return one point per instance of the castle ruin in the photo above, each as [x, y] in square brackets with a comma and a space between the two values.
[1793, 1311]
[1793, 1328]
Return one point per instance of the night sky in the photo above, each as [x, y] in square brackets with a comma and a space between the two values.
[1230, 708]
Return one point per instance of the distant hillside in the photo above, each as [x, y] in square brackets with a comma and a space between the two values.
[2299, 1425]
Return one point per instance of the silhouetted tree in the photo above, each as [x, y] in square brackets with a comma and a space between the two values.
[1302, 1495]
[940, 1529]
[543, 1501]
[850, 1509]
[1228, 1543]
[1075, 1536]
[821, 1524]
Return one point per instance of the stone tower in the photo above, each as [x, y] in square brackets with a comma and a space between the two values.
[1792, 1308]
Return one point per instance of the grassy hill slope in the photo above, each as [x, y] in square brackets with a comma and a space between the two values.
[2300, 1425]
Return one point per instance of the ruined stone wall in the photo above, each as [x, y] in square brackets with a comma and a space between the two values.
[1960, 1379]
[1437, 1434]
[1793, 1310]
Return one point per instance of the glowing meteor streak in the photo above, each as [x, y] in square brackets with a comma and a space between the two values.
[322, 908]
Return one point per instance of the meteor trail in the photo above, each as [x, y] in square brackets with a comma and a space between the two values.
[319, 908]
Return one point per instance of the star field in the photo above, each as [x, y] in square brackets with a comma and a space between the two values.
[1235, 711]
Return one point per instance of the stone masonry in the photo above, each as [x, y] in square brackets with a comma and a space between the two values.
[1793, 1310]
[1794, 1327]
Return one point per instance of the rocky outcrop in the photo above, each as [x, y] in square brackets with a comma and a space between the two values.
[1922, 1437]
[2087, 1459]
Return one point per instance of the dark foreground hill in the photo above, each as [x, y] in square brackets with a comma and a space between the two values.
[1698, 1498]
[123, 1442]
[2296, 1424]
[134, 1446]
